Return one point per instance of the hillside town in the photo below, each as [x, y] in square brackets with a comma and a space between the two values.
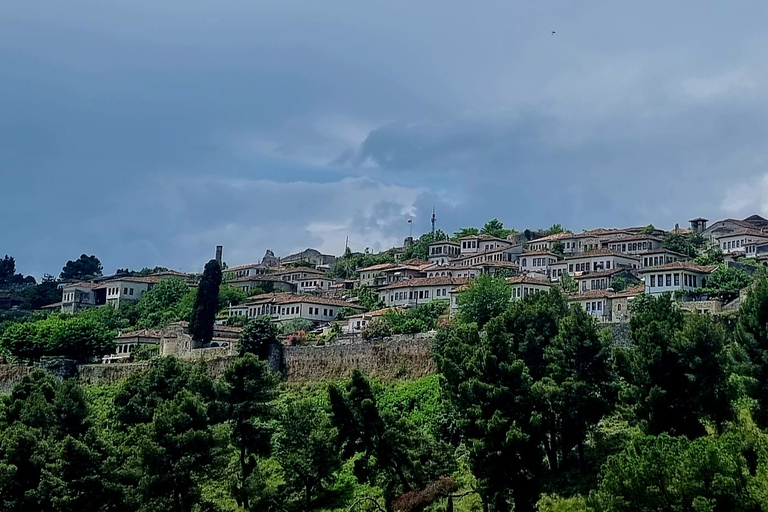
[601, 270]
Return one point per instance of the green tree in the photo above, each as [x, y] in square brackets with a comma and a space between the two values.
[44, 293]
[369, 299]
[495, 227]
[84, 267]
[528, 327]
[248, 390]
[751, 333]
[176, 453]
[568, 284]
[420, 248]
[679, 243]
[206, 303]
[160, 305]
[558, 247]
[230, 296]
[465, 232]
[676, 475]
[491, 393]
[577, 391]
[726, 282]
[484, 298]
[391, 454]
[306, 447]
[658, 388]
[649, 229]
[257, 336]
[713, 256]
[554, 229]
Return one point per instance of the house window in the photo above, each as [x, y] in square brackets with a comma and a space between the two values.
[693, 281]
[599, 306]
[677, 279]
[669, 279]
[125, 291]
[653, 281]
[131, 291]
[325, 312]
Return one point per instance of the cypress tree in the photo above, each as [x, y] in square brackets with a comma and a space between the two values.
[206, 304]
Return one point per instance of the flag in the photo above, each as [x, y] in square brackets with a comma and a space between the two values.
[410, 221]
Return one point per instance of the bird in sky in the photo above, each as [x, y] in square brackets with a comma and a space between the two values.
[553, 32]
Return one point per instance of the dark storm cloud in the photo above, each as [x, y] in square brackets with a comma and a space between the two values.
[146, 132]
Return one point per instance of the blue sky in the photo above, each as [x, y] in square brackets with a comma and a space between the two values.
[147, 132]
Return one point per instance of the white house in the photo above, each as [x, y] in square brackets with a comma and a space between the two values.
[443, 251]
[251, 269]
[264, 281]
[288, 306]
[607, 306]
[743, 241]
[594, 261]
[412, 292]
[661, 257]
[402, 272]
[316, 285]
[128, 289]
[508, 253]
[293, 275]
[604, 279]
[675, 277]
[536, 262]
[480, 243]
[76, 296]
[356, 323]
[522, 286]
[453, 270]
[368, 275]
[634, 244]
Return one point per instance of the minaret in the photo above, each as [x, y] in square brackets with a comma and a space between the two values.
[433, 221]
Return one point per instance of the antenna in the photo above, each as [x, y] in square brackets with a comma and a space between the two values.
[433, 221]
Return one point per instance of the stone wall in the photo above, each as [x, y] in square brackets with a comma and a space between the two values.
[10, 374]
[399, 357]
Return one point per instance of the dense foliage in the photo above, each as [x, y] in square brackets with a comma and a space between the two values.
[539, 409]
[84, 267]
[206, 303]
[421, 318]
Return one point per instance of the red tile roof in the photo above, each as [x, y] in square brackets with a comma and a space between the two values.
[680, 265]
[426, 281]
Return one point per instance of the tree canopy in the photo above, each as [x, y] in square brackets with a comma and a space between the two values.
[84, 267]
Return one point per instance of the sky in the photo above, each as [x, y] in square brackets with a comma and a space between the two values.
[148, 132]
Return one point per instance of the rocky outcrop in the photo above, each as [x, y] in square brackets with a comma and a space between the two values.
[312, 256]
[270, 259]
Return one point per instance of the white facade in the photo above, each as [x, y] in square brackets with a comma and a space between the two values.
[418, 291]
[285, 306]
[443, 251]
[480, 243]
[661, 257]
[675, 277]
[536, 262]
[599, 260]
[744, 242]
[316, 285]
[121, 290]
[635, 245]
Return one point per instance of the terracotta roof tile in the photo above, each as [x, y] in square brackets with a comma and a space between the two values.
[681, 265]
[426, 281]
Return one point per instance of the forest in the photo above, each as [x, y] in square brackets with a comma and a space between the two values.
[535, 407]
